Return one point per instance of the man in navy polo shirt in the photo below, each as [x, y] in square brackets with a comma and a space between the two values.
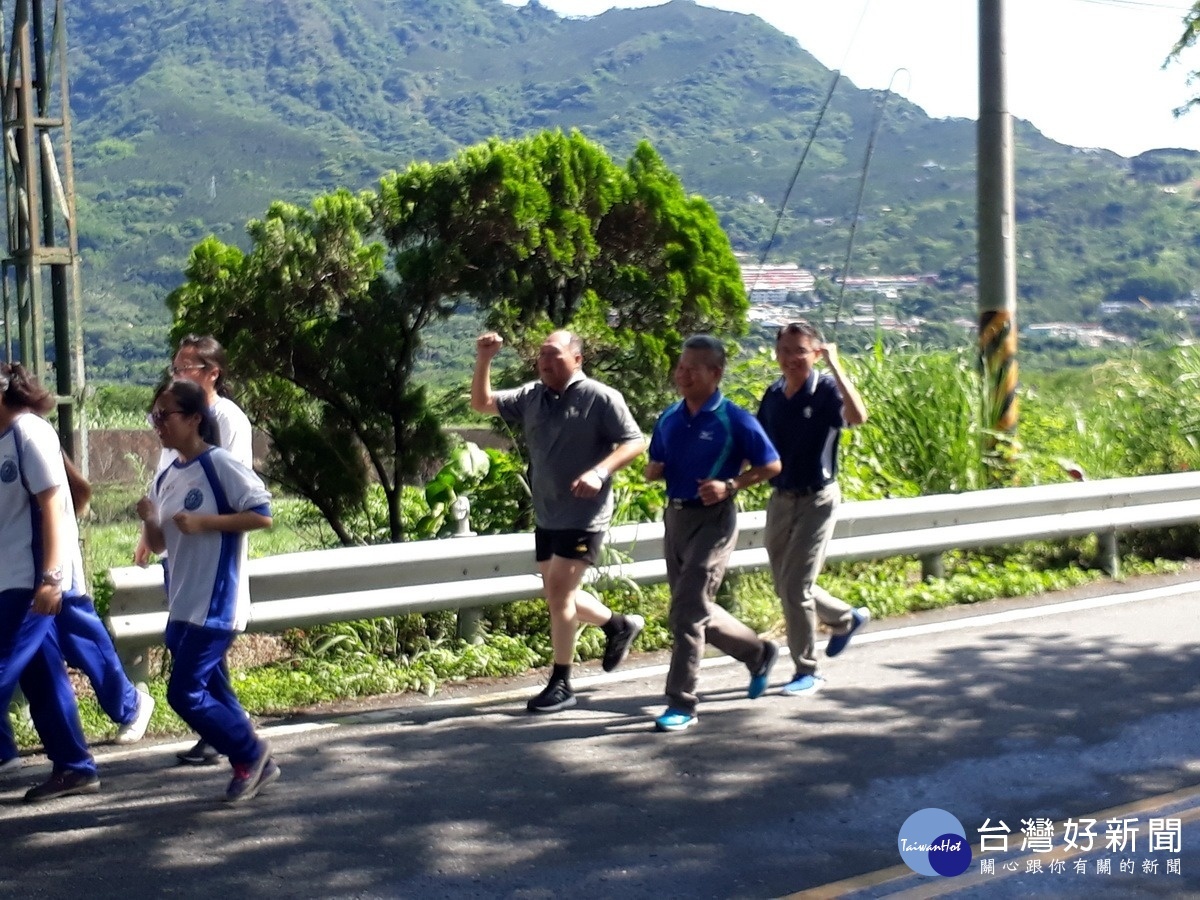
[803, 412]
[702, 446]
[579, 432]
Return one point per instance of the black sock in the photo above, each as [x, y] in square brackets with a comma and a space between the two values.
[613, 626]
[562, 672]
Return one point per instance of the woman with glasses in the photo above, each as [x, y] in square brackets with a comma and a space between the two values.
[41, 572]
[199, 508]
[201, 359]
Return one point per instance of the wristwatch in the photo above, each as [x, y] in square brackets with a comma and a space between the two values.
[730, 487]
[601, 473]
[53, 576]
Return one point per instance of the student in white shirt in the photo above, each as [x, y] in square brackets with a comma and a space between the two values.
[40, 569]
[201, 359]
[199, 509]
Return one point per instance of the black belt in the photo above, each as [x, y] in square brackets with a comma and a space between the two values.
[675, 503]
[803, 492]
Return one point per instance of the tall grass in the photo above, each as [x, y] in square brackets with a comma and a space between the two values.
[924, 433]
[1142, 417]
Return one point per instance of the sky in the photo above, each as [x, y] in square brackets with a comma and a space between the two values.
[1088, 73]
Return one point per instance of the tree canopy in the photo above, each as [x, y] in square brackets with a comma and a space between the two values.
[323, 315]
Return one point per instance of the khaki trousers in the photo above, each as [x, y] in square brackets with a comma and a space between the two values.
[697, 544]
[797, 535]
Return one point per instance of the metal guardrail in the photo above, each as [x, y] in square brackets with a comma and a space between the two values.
[297, 589]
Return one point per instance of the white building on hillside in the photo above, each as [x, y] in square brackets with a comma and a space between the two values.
[772, 284]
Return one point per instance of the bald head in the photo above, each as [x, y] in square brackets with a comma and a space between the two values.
[559, 358]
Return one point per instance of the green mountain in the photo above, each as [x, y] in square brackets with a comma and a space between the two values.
[190, 116]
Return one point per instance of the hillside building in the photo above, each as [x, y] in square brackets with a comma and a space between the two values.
[773, 284]
[888, 285]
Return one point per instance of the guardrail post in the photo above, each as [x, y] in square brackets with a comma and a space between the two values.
[1110, 556]
[932, 567]
[470, 621]
[136, 661]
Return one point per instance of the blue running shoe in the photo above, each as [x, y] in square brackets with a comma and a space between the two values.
[675, 720]
[761, 677]
[802, 685]
[837, 643]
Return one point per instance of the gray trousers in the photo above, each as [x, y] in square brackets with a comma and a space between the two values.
[797, 535]
[697, 544]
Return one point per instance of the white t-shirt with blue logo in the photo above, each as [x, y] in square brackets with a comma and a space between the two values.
[30, 448]
[208, 585]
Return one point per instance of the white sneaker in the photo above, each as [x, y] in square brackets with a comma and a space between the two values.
[132, 732]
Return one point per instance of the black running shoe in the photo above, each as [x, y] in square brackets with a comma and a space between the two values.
[555, 697]
[618, 645]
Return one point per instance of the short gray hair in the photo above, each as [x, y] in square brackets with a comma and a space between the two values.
[706, 343]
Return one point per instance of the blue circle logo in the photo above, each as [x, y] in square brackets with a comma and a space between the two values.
[193, 500]
[933, 842]
[8, 471]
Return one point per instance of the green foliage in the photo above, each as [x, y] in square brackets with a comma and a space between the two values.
[546, 232]
[466, 469]
[1133, 417]
[187, 123]
[118, 406]
[325, 345]
[924, 434]
[324, 317]
[501, 502]
[893, 587]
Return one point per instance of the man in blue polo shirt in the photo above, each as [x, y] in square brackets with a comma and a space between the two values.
[803, 412]
[702, 446]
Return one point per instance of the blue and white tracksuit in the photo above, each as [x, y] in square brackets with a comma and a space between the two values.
[30, 652]
[208, 594]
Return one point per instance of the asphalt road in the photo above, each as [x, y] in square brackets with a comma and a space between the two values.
[1057, 708]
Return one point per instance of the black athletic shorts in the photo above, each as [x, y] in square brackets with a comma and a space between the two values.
[568, 543]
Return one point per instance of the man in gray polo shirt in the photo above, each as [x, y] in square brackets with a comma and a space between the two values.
[579, 432]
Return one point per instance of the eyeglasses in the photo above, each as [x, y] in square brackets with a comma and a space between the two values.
[179, 370]
[159, 416]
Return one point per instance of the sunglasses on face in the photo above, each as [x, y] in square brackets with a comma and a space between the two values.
[159, 416]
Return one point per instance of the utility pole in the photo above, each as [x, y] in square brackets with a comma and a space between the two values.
[997, 296]
[39, 182]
